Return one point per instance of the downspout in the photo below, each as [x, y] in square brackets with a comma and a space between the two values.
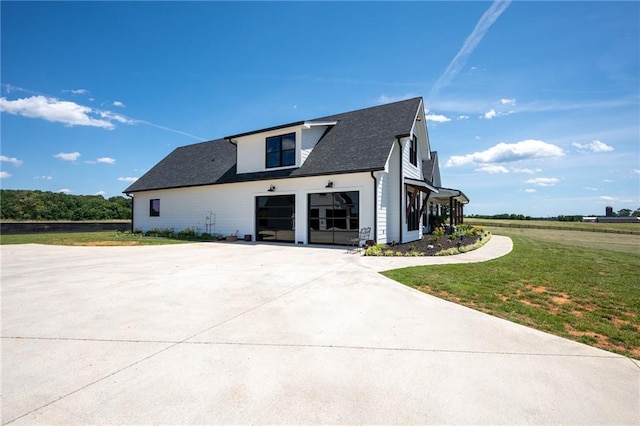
[131, 211]
[401, 190]
[375, 207]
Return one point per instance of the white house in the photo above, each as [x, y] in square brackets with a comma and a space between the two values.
[309, 182]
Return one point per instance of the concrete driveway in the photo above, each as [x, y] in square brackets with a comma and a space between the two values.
[253, 333]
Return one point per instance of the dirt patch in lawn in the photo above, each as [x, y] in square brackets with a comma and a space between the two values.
[599, 340]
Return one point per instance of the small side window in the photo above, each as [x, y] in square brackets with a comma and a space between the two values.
[154, 207]
[413, 151]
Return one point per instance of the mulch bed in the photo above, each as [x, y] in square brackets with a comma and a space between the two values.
[430, 244]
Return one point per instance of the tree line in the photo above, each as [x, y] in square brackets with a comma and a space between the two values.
[44, 205]
[561, 218]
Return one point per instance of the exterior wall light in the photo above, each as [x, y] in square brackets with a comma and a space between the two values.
[271, 188]
[329, 185]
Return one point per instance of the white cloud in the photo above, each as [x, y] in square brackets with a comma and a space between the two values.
[492, 169]
[608, 180]
[525, 170]
[4, 175]
[100, 193]
[77, 91]
[65, 190]
[606, 198]
[490, 114]
[463, 117]
[595, 146]
[636, 171]
[437, 118]
[542, 181]
[11, 160]
[43, 177]
[509, 152]
[67, 112]
[103, 160]
[54, 110]
[530, 191]
[505, 101]
[68, 156]
[127, 179]
[118, 104]
[589, 188]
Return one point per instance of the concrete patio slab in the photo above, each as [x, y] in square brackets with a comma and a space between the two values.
[257, 333]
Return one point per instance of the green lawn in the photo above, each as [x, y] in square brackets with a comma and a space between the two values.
[560, 285]
[632, 228]
[104, 238]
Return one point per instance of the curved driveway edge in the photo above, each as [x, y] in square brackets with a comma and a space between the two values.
[496, 247]
[252, 333]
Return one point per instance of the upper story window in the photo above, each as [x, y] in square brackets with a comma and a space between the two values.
[413, 151]
[281, 150]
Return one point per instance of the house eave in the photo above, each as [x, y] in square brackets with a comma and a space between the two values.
[268, 129]
[258, 179]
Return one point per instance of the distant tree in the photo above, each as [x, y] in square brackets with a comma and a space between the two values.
[570, 218]
[624, 212]
[39, 205]
[636, 212]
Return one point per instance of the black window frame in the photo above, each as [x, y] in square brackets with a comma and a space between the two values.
[282, 154]
[413, 150]
[154, 212]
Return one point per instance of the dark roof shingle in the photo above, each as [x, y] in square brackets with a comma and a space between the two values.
[360, 141]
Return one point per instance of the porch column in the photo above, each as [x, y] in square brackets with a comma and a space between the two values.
[461, 213]
[451, 212]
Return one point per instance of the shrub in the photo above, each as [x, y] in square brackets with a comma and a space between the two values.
[439, 231]
[160, 232]
[186, 234]
[374, 250]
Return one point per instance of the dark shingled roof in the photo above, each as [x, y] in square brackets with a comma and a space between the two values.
[360, 141]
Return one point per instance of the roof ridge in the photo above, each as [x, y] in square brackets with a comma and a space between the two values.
[370, 107]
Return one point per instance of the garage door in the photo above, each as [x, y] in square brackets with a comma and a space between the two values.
[334, 217]
[276, 218]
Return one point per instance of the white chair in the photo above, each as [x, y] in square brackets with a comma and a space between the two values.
[363, 236]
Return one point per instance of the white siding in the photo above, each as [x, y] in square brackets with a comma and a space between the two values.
[310, 138]
[233, 205]
[382, 206]
[392, 196]
[411, 171]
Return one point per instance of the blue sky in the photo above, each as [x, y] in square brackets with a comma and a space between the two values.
[533, 107]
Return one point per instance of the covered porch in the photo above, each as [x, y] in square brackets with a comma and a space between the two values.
[453, 200]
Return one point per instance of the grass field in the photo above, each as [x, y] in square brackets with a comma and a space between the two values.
[631, 228]
[104, 238]
[581, 285]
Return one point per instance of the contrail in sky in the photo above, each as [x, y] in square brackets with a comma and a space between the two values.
[460, 60]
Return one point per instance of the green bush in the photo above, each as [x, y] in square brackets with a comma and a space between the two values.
[160, 232]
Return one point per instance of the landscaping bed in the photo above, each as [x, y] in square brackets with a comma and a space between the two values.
[440, 243]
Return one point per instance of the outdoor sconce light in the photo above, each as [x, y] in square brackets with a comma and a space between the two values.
[271, 188]
[329, 185]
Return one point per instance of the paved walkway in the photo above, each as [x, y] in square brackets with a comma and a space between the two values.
[255, 333]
